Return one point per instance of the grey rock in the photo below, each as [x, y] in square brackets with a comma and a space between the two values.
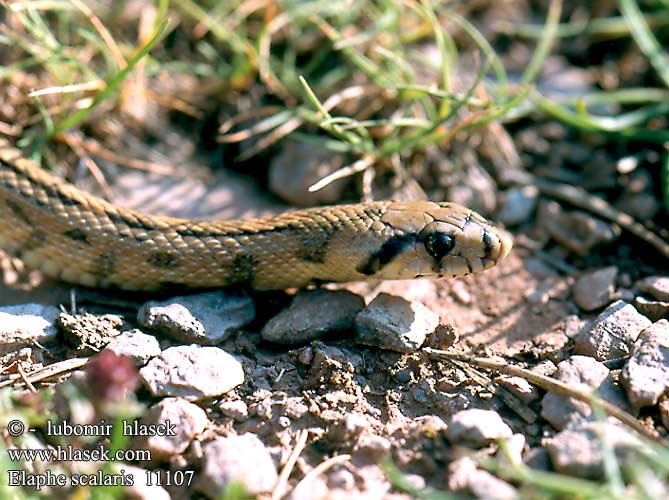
[476, 428]
[612, 333]
[300, 165]
[657, 286]
[192, 372]
[518, 205]
[594, 289]
[577, 451]
[464, 477]
[392, 322]
[205, 318]
[23, 324]
[135, 344]
[243, 459]
[312, 314]
[180, 422]
[581, 372]
[646, 374]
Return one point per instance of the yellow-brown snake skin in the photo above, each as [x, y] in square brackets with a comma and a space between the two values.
[75, 237]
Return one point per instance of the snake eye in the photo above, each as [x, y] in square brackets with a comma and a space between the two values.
[438, 245]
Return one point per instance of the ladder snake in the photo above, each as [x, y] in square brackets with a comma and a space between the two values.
[72, 236]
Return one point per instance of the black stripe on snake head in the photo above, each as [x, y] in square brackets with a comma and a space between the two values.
[388, 251]
[488, 240]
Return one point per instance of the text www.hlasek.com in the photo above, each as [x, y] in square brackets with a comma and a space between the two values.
[71, 454]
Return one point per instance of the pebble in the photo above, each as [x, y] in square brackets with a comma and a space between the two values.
[652, 309]
[394, 323]
[464, 477]
[237, 410]
[300, 165]
[476, 428]
[577, 451]
[645, 376]
[206, 318]
[656, 286]
[580, 372]
[612, 333]
[192, 372]
[515, 446]
[518, 205]
[182, 420]
[313, 313]
[594, 289]
[136, 345]
[24, 324]
[241, 459]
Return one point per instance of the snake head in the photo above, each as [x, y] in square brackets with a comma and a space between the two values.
[435, 239]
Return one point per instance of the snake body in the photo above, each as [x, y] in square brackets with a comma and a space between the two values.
[78, 238]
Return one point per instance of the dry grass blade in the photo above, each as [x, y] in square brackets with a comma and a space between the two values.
[551, 385]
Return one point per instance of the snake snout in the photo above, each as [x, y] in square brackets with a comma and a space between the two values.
[505, 243]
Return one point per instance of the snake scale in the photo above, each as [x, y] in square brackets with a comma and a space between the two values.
[75, 237]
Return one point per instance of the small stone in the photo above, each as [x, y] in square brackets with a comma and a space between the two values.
[237, 410]
[518, 205]
[581, 372]
[464, 477]
[136, 345]
[515, 446]
[612, 333]
[179, 420]
[663, 408]
[313, 313]
[84, 331]
[192, 372]
[652, 309]
[477, 428]
[657, 286]
[373, 446]
[594, 289]
[300, 165]
[206, 318]
[646, 374]
[24, 324]
[577, 451]
[391, 322]
[241, 459]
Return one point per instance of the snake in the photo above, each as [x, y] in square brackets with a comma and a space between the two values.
[72, 236]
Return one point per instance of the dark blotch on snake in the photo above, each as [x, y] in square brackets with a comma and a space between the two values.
[77, 235]
[164, 260]
[242, 269]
